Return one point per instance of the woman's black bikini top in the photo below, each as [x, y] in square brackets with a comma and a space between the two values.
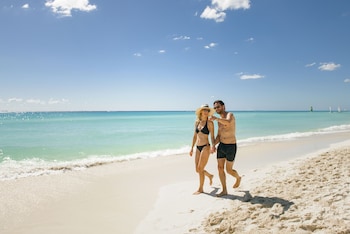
[204, 130]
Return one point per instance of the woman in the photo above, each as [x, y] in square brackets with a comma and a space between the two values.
[203, 128]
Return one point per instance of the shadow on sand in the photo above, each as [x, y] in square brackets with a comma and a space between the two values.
[247, 197]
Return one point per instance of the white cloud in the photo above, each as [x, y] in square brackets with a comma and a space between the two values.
[211, 45]
[15, 100]
[214, 14]
[328, 66]
[161, 51]
[218, 7]
[32, 104]
[251, 39]
[137, 54]
[65, 7]
[231, 4]
[35, 101]
[310, 65]
[347, 80]
[181, 38]
[57, 101]
[250, 77]
[25, 6]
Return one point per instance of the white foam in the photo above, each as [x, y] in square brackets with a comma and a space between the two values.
[295, 135]
[11, 169]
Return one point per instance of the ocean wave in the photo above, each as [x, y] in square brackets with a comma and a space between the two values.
[11, 169]
[294, 135]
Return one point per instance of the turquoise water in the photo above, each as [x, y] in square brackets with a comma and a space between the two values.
[51, 142]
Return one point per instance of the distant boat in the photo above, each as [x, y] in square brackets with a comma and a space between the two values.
[339, 110]
[311, 109]
[330, 109]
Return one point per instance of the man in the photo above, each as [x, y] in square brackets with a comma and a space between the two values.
[226, 151]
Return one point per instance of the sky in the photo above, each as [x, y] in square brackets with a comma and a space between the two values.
[112, 55]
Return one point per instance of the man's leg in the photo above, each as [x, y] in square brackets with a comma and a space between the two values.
[221, 169]
[234, 173]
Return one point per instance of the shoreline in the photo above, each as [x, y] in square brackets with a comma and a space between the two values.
[28, 152]
[127, 197]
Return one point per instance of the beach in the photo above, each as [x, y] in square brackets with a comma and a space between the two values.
[299, 185]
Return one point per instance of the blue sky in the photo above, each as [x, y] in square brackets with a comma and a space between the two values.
[66, 55]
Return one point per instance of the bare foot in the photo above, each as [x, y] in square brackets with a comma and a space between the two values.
[211, 180]
[238, 182]
[223, 193]
[197, 192]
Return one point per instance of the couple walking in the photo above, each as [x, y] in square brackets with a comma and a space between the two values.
[227, 148]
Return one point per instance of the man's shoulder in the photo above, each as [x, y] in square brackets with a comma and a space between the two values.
[230, 115]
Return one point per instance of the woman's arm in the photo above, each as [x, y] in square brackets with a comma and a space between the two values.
[194, 139]
[212, 132]
[217, 138]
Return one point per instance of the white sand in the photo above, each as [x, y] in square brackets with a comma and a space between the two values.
[310, 197]
[305, 195]
[155, 195]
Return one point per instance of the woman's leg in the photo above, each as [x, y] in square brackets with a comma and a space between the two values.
[202, 162]
[210, 176]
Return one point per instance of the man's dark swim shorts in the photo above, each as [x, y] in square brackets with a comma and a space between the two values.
[227, 151]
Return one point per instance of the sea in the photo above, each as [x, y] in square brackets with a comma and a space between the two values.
[41, 143]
